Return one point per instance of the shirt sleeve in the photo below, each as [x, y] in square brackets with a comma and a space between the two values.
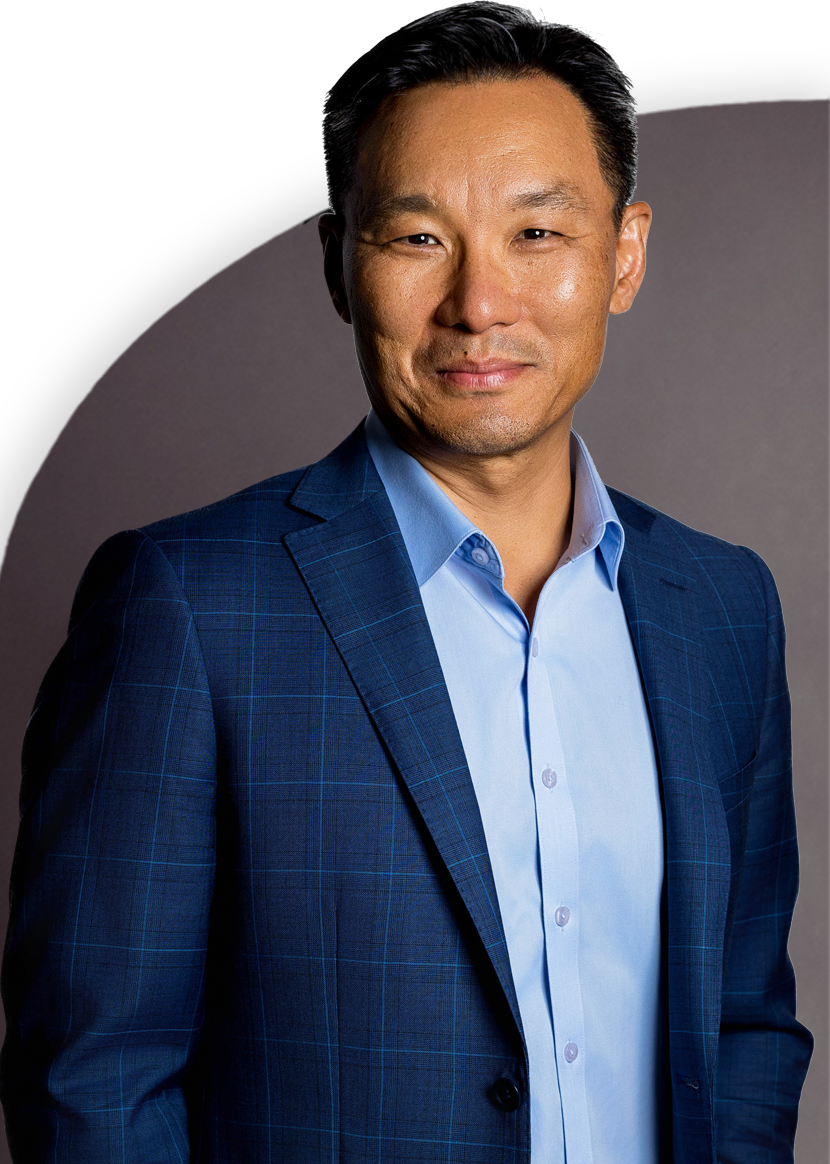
[763, 1051]
[103, 976]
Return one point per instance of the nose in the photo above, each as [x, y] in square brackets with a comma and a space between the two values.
[481, 294]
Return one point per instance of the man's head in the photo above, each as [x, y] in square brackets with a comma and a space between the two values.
[480, 167]
[484, 41]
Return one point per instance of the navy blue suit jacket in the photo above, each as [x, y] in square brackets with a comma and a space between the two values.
[253, 915]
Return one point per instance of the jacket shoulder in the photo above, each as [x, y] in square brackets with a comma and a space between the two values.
[728, 571]
[646, 519]
[153, 557]
[215, 546]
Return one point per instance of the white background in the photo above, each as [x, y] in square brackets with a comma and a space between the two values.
[147, 146]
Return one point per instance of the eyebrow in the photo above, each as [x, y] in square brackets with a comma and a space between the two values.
[384, 208]
[559, 197]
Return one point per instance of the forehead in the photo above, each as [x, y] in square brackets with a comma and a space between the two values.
[482, 136]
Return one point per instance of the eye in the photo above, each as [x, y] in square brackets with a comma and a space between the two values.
[419, 240]
[537, 233]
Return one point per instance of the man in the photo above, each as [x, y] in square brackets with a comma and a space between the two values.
[431, 803]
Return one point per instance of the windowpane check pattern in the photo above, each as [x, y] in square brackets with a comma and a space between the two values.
[253, 914]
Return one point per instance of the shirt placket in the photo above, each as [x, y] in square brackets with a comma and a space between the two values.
[559, 874]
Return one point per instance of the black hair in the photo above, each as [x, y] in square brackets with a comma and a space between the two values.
[484, 41]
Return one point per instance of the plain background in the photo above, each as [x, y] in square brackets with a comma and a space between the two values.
[711, 403]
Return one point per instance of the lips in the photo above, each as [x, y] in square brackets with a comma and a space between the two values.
[481, 375]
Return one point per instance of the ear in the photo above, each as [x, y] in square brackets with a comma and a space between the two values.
[631, 256]
[331, 227]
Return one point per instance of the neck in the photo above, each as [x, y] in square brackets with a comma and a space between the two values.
[522, 501]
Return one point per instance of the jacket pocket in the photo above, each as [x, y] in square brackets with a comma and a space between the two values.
[736, 788]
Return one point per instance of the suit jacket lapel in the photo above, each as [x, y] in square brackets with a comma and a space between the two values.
[358, 573]
[662, 607]
[357, 570]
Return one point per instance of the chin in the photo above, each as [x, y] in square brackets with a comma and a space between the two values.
[480, 436]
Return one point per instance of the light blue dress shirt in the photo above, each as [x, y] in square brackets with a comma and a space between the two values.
[555, 728]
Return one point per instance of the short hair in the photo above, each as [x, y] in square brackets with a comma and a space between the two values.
[484, 41]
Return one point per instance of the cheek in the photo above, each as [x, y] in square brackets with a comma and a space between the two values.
[572, 294]
[391, 312]
[566, 291]
[385, 331]
[386, 304]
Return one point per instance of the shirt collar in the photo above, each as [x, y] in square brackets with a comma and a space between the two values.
[433, 527]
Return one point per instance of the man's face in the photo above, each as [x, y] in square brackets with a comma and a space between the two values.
[480, 261]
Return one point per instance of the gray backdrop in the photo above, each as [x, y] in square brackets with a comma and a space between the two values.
[711, 404]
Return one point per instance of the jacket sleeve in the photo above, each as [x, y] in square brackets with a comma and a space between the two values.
[103, 975]
[763, 1051]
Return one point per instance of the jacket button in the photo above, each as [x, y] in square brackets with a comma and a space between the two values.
[506, 1095]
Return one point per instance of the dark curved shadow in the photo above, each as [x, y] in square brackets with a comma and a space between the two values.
[64, 370]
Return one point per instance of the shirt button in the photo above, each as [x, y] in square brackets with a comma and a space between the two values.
[534, 648]
[548, 777]
[479, 556]
[571, 1051]
[562, 915]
